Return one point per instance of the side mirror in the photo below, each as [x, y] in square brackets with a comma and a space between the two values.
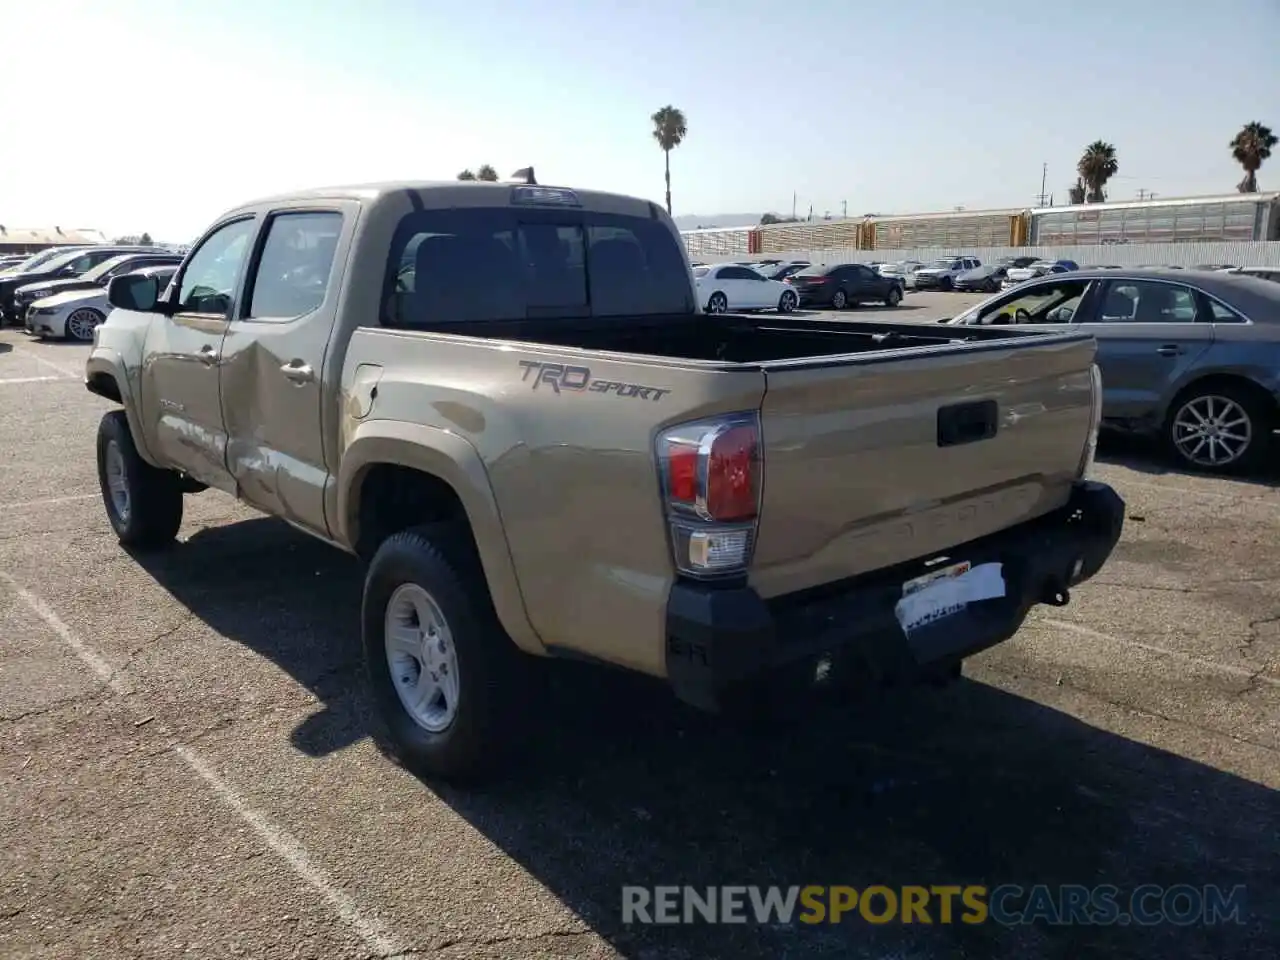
[136, 292]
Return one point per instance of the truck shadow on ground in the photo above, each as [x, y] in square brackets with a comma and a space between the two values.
[622, 786]
[1146, 455]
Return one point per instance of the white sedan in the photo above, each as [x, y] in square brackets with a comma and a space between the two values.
[728, 286]
[73, 315]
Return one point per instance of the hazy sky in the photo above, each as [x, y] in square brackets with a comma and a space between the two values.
[156, 115]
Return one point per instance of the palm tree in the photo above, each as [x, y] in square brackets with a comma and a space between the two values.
[669, 129]
[1096, 167]
[1076, 192]
[466, 175]
[1250, 147]
[487, 172]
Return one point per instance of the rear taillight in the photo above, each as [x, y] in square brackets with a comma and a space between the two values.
[1095, 421]
[710, 472]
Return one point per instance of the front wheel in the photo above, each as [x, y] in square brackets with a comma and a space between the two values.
[947, 285]
[894, 298]
[787, 302]
[81, 323]
[144, 503]
[443, 673]
[718, 303]
[993, 285]
[839, 301]
[1218, 429]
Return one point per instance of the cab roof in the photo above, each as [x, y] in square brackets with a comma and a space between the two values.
[459, 193]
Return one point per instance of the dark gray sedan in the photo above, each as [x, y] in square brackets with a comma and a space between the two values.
[1192, 357]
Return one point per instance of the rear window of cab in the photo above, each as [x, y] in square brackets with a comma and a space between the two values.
[473, 265]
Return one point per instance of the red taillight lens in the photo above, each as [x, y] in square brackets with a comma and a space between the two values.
[731, 472]
[710, 472]
[682, 472]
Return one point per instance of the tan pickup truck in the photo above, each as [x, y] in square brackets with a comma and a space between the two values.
[505, 398]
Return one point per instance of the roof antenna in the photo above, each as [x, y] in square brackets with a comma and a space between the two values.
[524, 175]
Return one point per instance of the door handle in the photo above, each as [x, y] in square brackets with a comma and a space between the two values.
[208, 355]
[1170, 350]
[298, 372]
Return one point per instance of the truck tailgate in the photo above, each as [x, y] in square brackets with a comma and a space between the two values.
[874, 460]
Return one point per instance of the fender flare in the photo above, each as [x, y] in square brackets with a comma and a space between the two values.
[105, 362]
[452, 459]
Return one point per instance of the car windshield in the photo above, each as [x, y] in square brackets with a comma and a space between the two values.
[105, 267]
[38, 260]
[946, 263]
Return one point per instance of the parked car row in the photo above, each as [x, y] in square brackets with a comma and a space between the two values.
[1189, 356]
[62, 292]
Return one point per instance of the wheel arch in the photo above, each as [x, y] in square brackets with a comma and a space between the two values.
[105, 375]
[395, 475]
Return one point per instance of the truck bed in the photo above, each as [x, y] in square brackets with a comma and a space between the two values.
[738, 339]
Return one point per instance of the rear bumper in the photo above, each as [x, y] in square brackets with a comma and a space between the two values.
[719, 637]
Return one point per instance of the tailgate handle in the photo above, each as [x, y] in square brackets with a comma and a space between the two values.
[966, 423]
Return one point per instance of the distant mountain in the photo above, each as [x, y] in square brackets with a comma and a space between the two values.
[694, 221]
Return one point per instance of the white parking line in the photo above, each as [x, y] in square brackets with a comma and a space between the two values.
[32, 355]
[373, 933]
[48, 501]
[8, 380]
[1152, 648]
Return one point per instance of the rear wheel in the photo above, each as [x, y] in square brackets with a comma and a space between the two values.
[1220, 428]
[144, 503]
[838, 300]
[894, 298]
[443, 673]
[992, 285]
[787, 302]
[718, 303]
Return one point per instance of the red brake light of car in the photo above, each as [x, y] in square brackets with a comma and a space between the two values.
[710, 472]
[731, 494]
[682, 472]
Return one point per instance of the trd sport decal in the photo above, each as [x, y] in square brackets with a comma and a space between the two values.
[561, 377]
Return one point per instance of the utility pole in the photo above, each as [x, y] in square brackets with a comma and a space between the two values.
[1044, 176]
[844, 209]
[1146, 194]
[793, 205]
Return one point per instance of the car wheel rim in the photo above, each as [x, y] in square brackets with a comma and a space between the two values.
[838, 301]
[117, 481]
[1212, 431]
[422, 658]
[718, 304]
[81, 324]
[788, 302]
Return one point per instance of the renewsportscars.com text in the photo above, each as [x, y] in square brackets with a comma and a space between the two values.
[1008, 904]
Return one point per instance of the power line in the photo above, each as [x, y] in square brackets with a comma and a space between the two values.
[1044, 176]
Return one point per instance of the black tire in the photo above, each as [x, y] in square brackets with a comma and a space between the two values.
[839, 300]
[946, 284]
[1260, 423]
[787, 302]
[993, 285]
[718, 303]
[894, 297]
[441, 560]
[152, 510]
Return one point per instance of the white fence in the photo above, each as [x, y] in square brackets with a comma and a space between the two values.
[1251, 254]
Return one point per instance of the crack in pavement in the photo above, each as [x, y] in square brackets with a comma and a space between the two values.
[1140, 710]
[488, 942]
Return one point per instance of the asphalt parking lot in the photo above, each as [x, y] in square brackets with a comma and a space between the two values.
[186, 769]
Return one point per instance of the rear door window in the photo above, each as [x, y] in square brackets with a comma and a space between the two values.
[473, 265]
